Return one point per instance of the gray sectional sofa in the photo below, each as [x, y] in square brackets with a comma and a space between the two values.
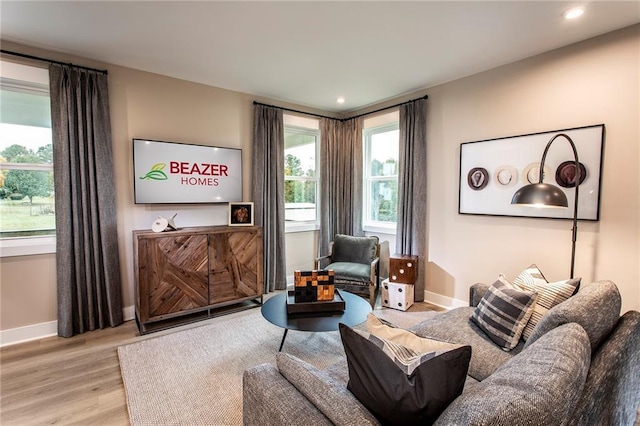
[581, 366]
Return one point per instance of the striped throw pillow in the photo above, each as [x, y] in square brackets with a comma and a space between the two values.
[549, 294]
[503, 312]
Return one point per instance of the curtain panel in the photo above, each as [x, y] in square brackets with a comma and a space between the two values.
[340, 180]
[88, 269]
[268, 192]
[412, 187]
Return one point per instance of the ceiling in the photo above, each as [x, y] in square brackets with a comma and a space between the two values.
[310, 53]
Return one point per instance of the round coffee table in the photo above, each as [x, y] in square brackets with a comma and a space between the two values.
[274, 310]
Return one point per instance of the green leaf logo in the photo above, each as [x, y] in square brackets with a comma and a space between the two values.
[156, 172]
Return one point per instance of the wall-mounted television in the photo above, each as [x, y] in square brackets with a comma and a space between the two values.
[171, 172]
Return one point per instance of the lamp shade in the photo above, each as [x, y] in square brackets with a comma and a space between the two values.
[540, 195]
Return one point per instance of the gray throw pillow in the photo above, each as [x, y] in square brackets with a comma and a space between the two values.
[503, 312]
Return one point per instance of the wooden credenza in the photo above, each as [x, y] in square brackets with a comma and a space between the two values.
[195, 273]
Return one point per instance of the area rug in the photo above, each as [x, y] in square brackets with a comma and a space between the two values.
[194, 376]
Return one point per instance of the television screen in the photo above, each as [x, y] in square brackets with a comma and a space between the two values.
[170, 172]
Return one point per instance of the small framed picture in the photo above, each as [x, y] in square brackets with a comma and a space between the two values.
[240, 214]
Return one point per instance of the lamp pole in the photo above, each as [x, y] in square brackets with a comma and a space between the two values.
[574, 229]
[542, 194]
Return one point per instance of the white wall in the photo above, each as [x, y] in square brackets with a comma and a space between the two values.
[592, 82]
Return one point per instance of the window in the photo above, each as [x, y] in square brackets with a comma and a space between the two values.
[381, 152]
[26, 154]
[301, 191]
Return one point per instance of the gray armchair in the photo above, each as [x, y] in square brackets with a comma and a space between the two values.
[356, 264]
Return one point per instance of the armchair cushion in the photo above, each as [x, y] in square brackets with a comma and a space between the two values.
[347, 248]
[350, 271]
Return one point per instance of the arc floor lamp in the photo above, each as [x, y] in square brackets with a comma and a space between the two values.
[547, 195]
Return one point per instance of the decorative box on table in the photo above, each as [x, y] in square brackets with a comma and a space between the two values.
[337, 304]
[403, 268]
[397, 295]
[313, 286]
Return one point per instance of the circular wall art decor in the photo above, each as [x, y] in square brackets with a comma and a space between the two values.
[478, 178]
[531, 173]
[566, 174]
[506, 176]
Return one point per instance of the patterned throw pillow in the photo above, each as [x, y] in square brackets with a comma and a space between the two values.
[398, 384]
[503, 312]
[387, 331]
[549, 294]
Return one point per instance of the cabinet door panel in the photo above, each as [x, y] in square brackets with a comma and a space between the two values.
[178, 274]
[235, 265]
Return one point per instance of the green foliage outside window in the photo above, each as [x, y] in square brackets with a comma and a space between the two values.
[298, 191]
[17, 184]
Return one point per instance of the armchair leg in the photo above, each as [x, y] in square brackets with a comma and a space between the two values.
[373, 295]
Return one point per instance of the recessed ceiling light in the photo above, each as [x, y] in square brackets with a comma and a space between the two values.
[573, 13]
[340, 100]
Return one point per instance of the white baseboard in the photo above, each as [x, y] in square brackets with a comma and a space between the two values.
[28, 333]
[129, 313]
[444, 301]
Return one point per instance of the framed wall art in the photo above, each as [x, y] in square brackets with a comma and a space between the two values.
[240, 214]
[491, 171]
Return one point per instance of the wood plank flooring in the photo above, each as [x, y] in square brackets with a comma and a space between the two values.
[65, 381]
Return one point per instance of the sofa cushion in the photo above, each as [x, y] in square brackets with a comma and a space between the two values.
[540, 386]
[456, 327]
[549, 294]
[401, 386]
[596, 307]
[503, 313]
[328, 395]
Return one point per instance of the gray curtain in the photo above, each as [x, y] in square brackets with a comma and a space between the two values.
[88, 269]
[268, 192]
[340, 180]
[412, 187]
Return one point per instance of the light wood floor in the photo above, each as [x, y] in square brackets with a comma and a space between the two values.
[65, 381]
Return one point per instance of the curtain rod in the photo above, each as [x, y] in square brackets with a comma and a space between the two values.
[51, 61]
[341, 119]
[389, 107]
[295, 110]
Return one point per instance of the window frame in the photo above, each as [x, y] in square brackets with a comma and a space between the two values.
[370, 225]
[310, 225]
[30, 79]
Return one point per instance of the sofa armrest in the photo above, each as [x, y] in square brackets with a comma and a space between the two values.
[269, 399]
[541, 385]
[476, 292]
[328, 395]
[612, 390]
